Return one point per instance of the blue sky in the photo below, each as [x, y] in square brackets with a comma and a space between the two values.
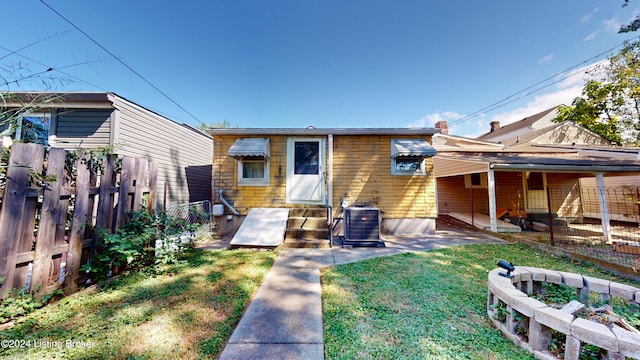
[333, 63]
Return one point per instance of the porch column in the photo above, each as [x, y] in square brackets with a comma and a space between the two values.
[330, 172]
[491, 187]
[604, 207]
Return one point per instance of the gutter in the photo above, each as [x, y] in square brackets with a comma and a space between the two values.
[565, 168]
[226, 203]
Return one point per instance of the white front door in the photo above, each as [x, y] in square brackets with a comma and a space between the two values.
[306, 171]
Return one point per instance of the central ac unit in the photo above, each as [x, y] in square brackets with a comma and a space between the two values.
[362, 224]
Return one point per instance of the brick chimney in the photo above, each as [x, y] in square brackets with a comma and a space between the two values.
[442, 125]
[495, 125]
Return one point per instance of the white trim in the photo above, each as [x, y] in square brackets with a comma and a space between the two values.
[265, 181]
[290, 162]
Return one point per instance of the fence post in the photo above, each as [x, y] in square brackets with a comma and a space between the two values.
[552, 240]
[23, 159]
[604, 207]
[48, 216]
[78, 224]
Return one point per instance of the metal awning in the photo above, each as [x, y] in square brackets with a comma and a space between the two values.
[411, 147]
[250, 147]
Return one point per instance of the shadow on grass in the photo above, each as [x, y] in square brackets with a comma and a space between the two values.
[424, 305]
[188, 312]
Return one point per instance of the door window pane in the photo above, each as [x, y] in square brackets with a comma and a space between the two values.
[307, 158]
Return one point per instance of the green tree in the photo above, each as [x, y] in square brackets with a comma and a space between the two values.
[610, 106]
[225, 124]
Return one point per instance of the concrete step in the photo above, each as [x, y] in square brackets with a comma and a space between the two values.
[308, 212]
[306, 243]
[296, 233]
[311, 223]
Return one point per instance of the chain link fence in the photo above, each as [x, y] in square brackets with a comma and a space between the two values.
[574, 222]
[196, 214]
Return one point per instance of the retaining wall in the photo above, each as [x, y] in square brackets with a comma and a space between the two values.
[508, 300]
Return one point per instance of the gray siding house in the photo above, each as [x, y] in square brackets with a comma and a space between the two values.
[94, 120]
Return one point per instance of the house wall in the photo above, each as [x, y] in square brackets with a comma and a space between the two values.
[564, 195]
[243, 198]
[82, 128]
[361, 175]
[564, 192]
[622, 193]
[453, 197]
[182, 154]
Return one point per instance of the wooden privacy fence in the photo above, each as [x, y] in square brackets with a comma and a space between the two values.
[46, 222]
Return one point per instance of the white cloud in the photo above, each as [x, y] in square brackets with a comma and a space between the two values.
[587, 18]
[430, 120]
[546, 59]
[611, 25]
[591, 36]
[567, 86]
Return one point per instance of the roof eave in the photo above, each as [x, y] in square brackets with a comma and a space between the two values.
[325, 131]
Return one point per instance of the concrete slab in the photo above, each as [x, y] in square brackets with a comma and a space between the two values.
[273, 352]
[482, 221]
[262, 227]
[284, 319]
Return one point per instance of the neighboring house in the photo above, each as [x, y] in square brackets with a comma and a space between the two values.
[390, 169]
[532, 171]
[94, 120]
[525, 126]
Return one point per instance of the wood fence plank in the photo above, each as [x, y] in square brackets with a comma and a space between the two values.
[24, 157]
[78, 224]
[142, 171]
[48, 216]
[105, 200]
[124, 203]
[153, 182]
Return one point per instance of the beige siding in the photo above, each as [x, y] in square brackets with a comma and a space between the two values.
[82, 128]
[564, 194]
[622, 192]
[451, 167]
[183, 155]
[454, 197]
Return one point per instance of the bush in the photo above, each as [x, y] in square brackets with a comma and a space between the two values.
[146, 239]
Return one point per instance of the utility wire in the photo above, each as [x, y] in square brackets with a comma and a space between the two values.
[122, 62]
[49, 69]
[29, 45]
[506, 100]
[16, 52]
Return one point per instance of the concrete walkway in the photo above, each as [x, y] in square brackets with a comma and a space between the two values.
[284, 320]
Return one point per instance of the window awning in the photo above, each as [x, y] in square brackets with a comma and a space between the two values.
[250, 147]
[408, 147]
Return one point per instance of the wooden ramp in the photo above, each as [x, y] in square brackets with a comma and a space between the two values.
[262, 227]
[482, 221]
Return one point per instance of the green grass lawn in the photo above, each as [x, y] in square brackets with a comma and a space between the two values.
[188, 312]
[429, 305]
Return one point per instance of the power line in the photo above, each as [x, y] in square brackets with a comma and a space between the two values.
[506, 100]
[29, 45]
[122, 62]
[16, 52]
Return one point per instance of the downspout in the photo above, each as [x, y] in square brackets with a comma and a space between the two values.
[330, 190]
[226, 203]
